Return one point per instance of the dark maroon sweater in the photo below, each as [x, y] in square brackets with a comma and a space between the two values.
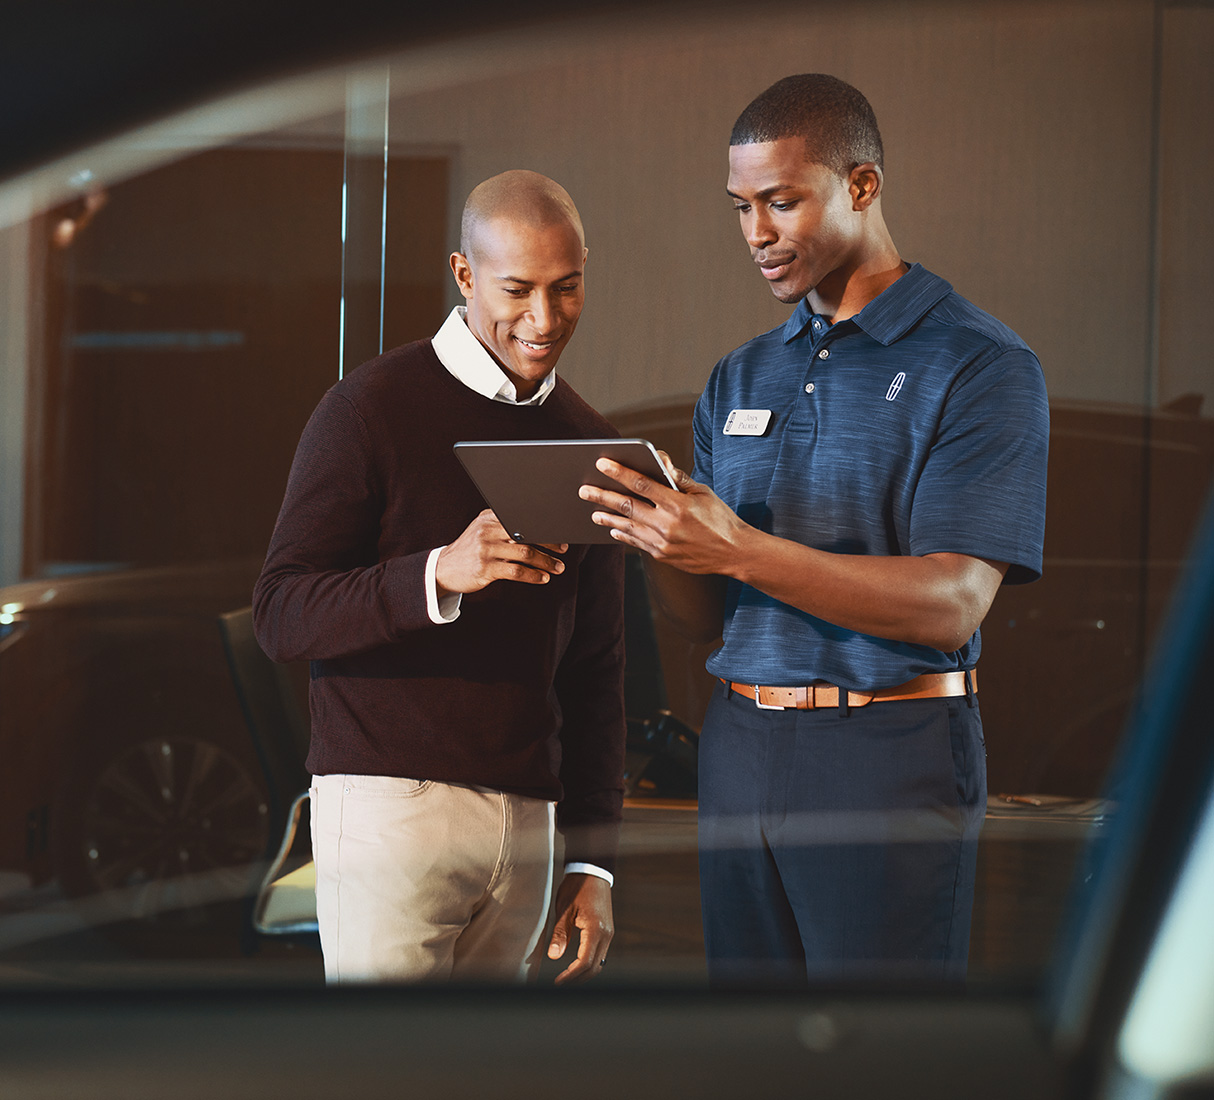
[523, 692]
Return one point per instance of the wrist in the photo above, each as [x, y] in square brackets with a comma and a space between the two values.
[590, 869]
[743, 561]
[442, 605]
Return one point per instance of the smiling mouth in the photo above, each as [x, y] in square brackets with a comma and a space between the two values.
[535, 345]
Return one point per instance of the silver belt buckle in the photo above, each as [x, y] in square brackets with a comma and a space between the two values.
[766, 706]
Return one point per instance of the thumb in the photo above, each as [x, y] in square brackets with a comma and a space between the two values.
[683, 481]
[560, 936]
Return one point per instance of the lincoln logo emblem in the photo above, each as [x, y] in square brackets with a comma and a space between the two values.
[895, 385]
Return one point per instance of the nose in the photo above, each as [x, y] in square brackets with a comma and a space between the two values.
[758, 229]
[544, 312]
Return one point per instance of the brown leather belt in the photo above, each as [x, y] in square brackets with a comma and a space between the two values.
[931, 685]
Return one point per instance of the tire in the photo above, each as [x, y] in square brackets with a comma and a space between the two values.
[161, 832]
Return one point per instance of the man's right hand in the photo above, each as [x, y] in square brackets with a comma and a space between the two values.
[484, 553]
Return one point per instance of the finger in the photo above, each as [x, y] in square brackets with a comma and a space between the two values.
[620, 525]
[584, 966]
[524, 554]
[622, 503]
[592, 953]
[635, 483]
[560, 936]
[518, 572]
[624, 531]
[555, 547]
[683, 481]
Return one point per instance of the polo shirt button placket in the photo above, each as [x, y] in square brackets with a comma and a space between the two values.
[819, 327]
[821, 353]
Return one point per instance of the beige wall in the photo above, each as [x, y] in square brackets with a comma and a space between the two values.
[1019, 143]
[1186, 283]
[1052, 159]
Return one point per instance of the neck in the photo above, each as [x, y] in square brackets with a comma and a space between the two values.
[851, 294]
[873, 265]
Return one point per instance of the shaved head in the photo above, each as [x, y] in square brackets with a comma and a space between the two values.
[520, 270]
[519, 196]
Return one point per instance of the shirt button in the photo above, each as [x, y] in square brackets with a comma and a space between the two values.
[824, 353]
[809, 387]
[817, 326]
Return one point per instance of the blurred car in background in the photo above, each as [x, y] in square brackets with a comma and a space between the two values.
[132, 776]
[1125, 489]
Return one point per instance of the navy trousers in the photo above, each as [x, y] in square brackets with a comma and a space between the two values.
[839, 845]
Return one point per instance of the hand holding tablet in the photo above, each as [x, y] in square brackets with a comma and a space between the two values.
[532, 485]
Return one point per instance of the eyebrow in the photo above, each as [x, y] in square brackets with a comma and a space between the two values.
[767, 192]
[528, 282]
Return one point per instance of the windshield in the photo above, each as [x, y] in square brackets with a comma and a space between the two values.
[177, 300]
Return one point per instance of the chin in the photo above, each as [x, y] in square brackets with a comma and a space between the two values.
[789, 295]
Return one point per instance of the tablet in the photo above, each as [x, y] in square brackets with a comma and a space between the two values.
[532, 485]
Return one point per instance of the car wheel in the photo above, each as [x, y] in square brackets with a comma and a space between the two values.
[161, 830]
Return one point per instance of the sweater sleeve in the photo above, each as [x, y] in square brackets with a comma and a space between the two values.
[590, 687]
[323, 592]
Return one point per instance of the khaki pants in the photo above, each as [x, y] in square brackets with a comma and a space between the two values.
[422, 881]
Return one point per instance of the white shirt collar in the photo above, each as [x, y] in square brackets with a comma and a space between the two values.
[466, 358]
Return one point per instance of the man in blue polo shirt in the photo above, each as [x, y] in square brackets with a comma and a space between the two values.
[866, 476]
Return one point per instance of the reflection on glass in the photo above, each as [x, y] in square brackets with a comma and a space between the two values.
[364, 220]
[171, 312]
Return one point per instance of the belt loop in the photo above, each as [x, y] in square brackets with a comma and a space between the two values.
[728, 688]
[969, 689]
[843, 707]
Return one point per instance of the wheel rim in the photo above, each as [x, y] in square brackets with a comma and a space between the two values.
[171, 824]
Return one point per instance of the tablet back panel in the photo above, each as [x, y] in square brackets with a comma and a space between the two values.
[532, 485]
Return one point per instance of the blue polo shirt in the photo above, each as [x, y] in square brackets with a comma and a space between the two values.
[918, 426]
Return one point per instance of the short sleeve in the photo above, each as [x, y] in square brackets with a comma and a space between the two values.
[701, 429]
[982, 489]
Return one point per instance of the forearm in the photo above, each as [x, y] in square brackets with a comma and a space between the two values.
[302, 613]
[937, 600]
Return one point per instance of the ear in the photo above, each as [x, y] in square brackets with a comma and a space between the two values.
[462, 270]
[864, 183]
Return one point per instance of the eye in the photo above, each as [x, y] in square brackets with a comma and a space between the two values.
[570, 288]
[741, 207]
[516, 291]
[784, 205]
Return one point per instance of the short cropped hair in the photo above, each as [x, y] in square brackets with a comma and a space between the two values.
[836, 121]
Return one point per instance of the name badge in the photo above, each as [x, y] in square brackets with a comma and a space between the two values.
[747, 422]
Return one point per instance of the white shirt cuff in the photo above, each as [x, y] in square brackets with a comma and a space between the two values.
[590, 869]
[445, 610]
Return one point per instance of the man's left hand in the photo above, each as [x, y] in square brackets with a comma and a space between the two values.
[582, 902]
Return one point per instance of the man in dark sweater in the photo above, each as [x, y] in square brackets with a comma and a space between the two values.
[463, 685]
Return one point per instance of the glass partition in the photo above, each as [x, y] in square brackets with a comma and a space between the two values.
[174, 303]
